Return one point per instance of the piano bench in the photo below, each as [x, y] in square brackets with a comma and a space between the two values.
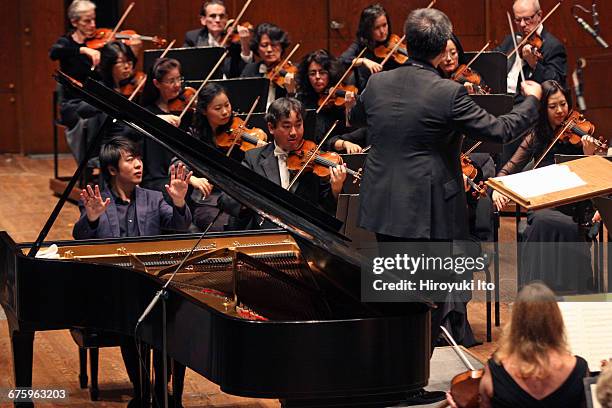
[92, 340]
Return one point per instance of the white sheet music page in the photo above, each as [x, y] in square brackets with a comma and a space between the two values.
[589, 330]
[545, 180]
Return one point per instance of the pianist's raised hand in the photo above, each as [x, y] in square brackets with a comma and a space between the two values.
[179, 182]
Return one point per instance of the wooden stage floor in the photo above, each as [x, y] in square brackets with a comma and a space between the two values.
[26, 203]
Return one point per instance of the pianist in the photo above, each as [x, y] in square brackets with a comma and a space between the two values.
[123, 209]
[285, 123]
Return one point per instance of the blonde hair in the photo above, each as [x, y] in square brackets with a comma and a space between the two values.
[79, 7]
[536, 328]
[604, 387]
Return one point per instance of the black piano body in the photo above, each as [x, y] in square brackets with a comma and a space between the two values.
[316, 343]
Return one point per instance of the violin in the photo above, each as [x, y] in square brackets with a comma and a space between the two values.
[464, 74]
[240, 135]
[536, 44]
[471, 172]
[337, 99]
[102, 36]
[235, 37]
[178, 104]
[277, 75]
[321, 163]
[400, 55]
[575, 126]
[129, 85]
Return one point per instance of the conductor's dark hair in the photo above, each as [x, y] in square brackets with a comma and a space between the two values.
[109, 54]
[281, 109]
[276, 34]
[160, 68]
[208, 3]
[366, 25]
[427, 32]
[110, 153]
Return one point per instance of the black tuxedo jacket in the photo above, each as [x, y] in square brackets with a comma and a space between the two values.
[412, 185]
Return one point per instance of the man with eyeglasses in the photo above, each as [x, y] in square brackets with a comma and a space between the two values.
[552, 65]
[213, 17]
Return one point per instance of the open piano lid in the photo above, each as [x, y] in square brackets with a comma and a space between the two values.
[314, 230]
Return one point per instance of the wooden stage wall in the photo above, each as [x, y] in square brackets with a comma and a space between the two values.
[30, 27]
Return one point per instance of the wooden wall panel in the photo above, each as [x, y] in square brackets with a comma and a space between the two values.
[9, 80]
[41, 23]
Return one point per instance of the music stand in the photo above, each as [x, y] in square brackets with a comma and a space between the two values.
[354, 162]
[496, 105]
[242, 92]
[259, 120]
[493, 69]
[196, 63]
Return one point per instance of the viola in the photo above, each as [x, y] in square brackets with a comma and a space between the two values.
[400, 55]
[178, 104]
[337, 99]
[464, 74]
[320, 164]
[129, 85]
[102, 36]
[471, 172]
[240, 135]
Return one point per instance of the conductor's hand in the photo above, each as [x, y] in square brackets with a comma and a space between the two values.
[179, 182]
[531, 88]
[94, 205]
[336, 179]
[499, 200]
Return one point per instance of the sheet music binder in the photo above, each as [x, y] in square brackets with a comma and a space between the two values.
[242, 92]
[196, 63]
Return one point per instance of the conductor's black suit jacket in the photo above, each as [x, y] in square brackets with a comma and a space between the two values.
[412, 185]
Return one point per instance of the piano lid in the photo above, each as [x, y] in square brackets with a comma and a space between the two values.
[314, 230]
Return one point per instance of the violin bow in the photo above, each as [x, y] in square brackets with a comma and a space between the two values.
[471, 149]
[457, 349]
[534, 30]
[143, 80]
[473, 59]
[312, 155]
[395, 47]
[432, 3]
[346, 73]
[121, 20]
[246, 120]
[235, 23]
[280, 66]
[515, 47]
[210, 74]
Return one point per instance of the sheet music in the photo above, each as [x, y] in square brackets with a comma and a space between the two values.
[589, 330]
[545, 180]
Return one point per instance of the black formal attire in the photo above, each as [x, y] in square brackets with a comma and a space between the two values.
[259, 70]
[553, 245]
[552, 66]
[412, 185]
[262, 160]
[156, 160]
[233, 64]
[508, 394]
[362, 73]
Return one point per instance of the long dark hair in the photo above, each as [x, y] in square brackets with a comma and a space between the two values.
[366, 24]
[327, 61]
[543, 130]
[109, 54]
[201, 125]
[160, 68]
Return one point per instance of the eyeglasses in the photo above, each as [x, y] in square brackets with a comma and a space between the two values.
[527, 20]
[173, 81]
[321, 72]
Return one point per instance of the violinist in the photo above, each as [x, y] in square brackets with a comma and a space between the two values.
[286, 124]
[117, 62]
[559, 268]
[269, 43]
[454, 58]
[214, 18]
[374, 31]
[548, 62]
[533, 365]
[317, 73]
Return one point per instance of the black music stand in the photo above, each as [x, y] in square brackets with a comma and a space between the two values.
[259, 120]
[196, 63]
[354, 162]
[242, 92]
[496, 105]
[493, 68]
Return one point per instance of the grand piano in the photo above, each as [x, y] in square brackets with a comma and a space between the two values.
[265, 314]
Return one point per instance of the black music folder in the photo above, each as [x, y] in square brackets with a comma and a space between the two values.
[496, 105]
[493, 69]
[196, 63]
[242, 92]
